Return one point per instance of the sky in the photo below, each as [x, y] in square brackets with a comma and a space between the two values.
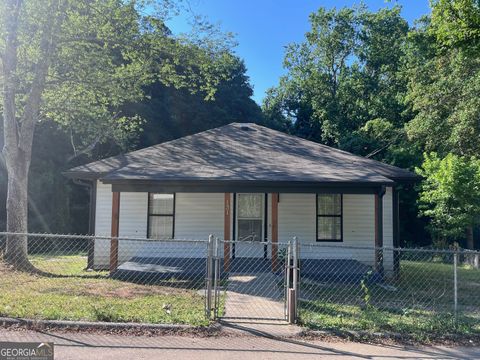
[264, 27]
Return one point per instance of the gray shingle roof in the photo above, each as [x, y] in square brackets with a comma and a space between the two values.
[240, 152]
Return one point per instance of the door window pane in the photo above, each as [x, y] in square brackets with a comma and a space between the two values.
[250, 206]
[250, 230]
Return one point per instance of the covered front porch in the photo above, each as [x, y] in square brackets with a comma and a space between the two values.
[199, 210]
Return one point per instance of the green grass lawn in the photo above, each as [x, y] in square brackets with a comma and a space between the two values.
[420, 304]
[92, 296]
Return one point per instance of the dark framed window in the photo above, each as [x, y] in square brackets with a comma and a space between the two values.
[161, 216]
[330, 217]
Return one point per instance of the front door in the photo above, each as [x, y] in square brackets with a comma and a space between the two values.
[250, 225]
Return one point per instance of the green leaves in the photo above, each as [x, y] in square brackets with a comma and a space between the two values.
[456, 23]
[103, 55]
[443, 93]
[450, 193]
[342, 76]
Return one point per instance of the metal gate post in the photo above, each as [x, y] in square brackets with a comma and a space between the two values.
[287, 278]
[292, 287]
[455, 283]
[216, 277]
[208, 279]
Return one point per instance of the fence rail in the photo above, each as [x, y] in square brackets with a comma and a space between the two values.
[193, 281]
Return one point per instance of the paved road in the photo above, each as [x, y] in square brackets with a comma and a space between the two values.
[73, 346]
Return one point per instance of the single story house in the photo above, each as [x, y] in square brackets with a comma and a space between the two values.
[244, 182]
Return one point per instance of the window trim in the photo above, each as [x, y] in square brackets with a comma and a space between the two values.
[172, 215]
[329, 216]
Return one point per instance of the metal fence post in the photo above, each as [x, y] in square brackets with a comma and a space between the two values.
[216, 277]
[287, 276]
[455, 283]
[292, 292]
[208, 280]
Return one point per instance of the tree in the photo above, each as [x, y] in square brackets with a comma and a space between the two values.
[171, 113]
[443, 93]
[450, 195]
[77, 63]
[456, 23]
[345, 74]
[346, 86]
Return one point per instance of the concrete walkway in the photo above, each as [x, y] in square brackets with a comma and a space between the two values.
[76, 346]
[255, 305]
[257, 295]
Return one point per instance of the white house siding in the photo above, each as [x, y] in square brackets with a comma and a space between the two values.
[199, 214]
[297, 217]
[196, 216]
[103, 224]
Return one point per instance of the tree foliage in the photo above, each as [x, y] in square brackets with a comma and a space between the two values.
[443, 92]
[450, 194]
[77, 63]
[456, 23]
[343, 86]
[369, 83]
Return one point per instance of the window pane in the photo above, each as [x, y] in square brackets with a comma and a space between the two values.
[250, 230]
[161, 204]
[250, 206]
[329, 228]
[160, 227]
[329, 204]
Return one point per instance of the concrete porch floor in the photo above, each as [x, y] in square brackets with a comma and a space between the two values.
[150, 269]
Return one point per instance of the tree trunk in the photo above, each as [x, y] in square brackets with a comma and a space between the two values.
[18, 131]
[470, 241]
[17, 216]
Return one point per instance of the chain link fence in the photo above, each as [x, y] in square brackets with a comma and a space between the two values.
[70, 277]
[406, 290]
[192, 281]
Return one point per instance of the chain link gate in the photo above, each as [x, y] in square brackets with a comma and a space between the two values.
[252, 287]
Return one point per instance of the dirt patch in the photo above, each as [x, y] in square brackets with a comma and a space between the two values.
[129, 291]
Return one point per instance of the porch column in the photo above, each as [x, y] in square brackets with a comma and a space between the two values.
[114, 231]
[379, 230]
[274, 231]
[396, 231]
[226, 231]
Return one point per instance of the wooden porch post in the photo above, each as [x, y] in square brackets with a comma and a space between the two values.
[274, 231]
[396, 231]
[226, 232]
[91, 224]
[114, 231]
[379, 230]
